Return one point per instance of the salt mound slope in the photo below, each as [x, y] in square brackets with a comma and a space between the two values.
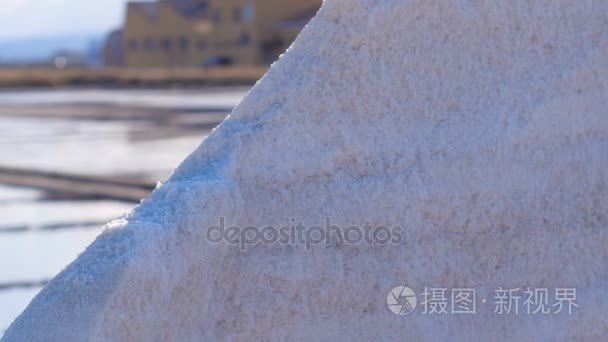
[480, 126]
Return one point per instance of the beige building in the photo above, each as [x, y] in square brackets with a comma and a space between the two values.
[194, 33]
[113, 54]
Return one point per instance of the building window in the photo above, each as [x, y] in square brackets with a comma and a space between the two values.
[165, 44]
[245, 39]
[248, 13]
[237, 15]
[216, 16]
[184, 43]
[133, 44]
[149, 44]
[214, 61]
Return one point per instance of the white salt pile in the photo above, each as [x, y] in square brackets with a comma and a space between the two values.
[480, 127]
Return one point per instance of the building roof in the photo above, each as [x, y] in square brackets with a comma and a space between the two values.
[187, 8]
[149, 9]
[190, 8]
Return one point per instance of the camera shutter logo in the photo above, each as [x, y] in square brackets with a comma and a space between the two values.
[401, 300]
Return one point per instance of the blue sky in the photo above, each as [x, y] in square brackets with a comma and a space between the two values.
[28, 18]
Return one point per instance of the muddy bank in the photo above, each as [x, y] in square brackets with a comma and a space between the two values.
[128, 78]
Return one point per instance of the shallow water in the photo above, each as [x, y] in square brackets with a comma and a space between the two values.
[209, 98]
[88, 147]
[32, 255]
[38, 238]
[12, 302]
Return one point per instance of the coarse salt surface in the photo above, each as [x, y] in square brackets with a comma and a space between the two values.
[481, 127]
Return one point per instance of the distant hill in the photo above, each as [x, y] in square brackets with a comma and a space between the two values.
[35, 49]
